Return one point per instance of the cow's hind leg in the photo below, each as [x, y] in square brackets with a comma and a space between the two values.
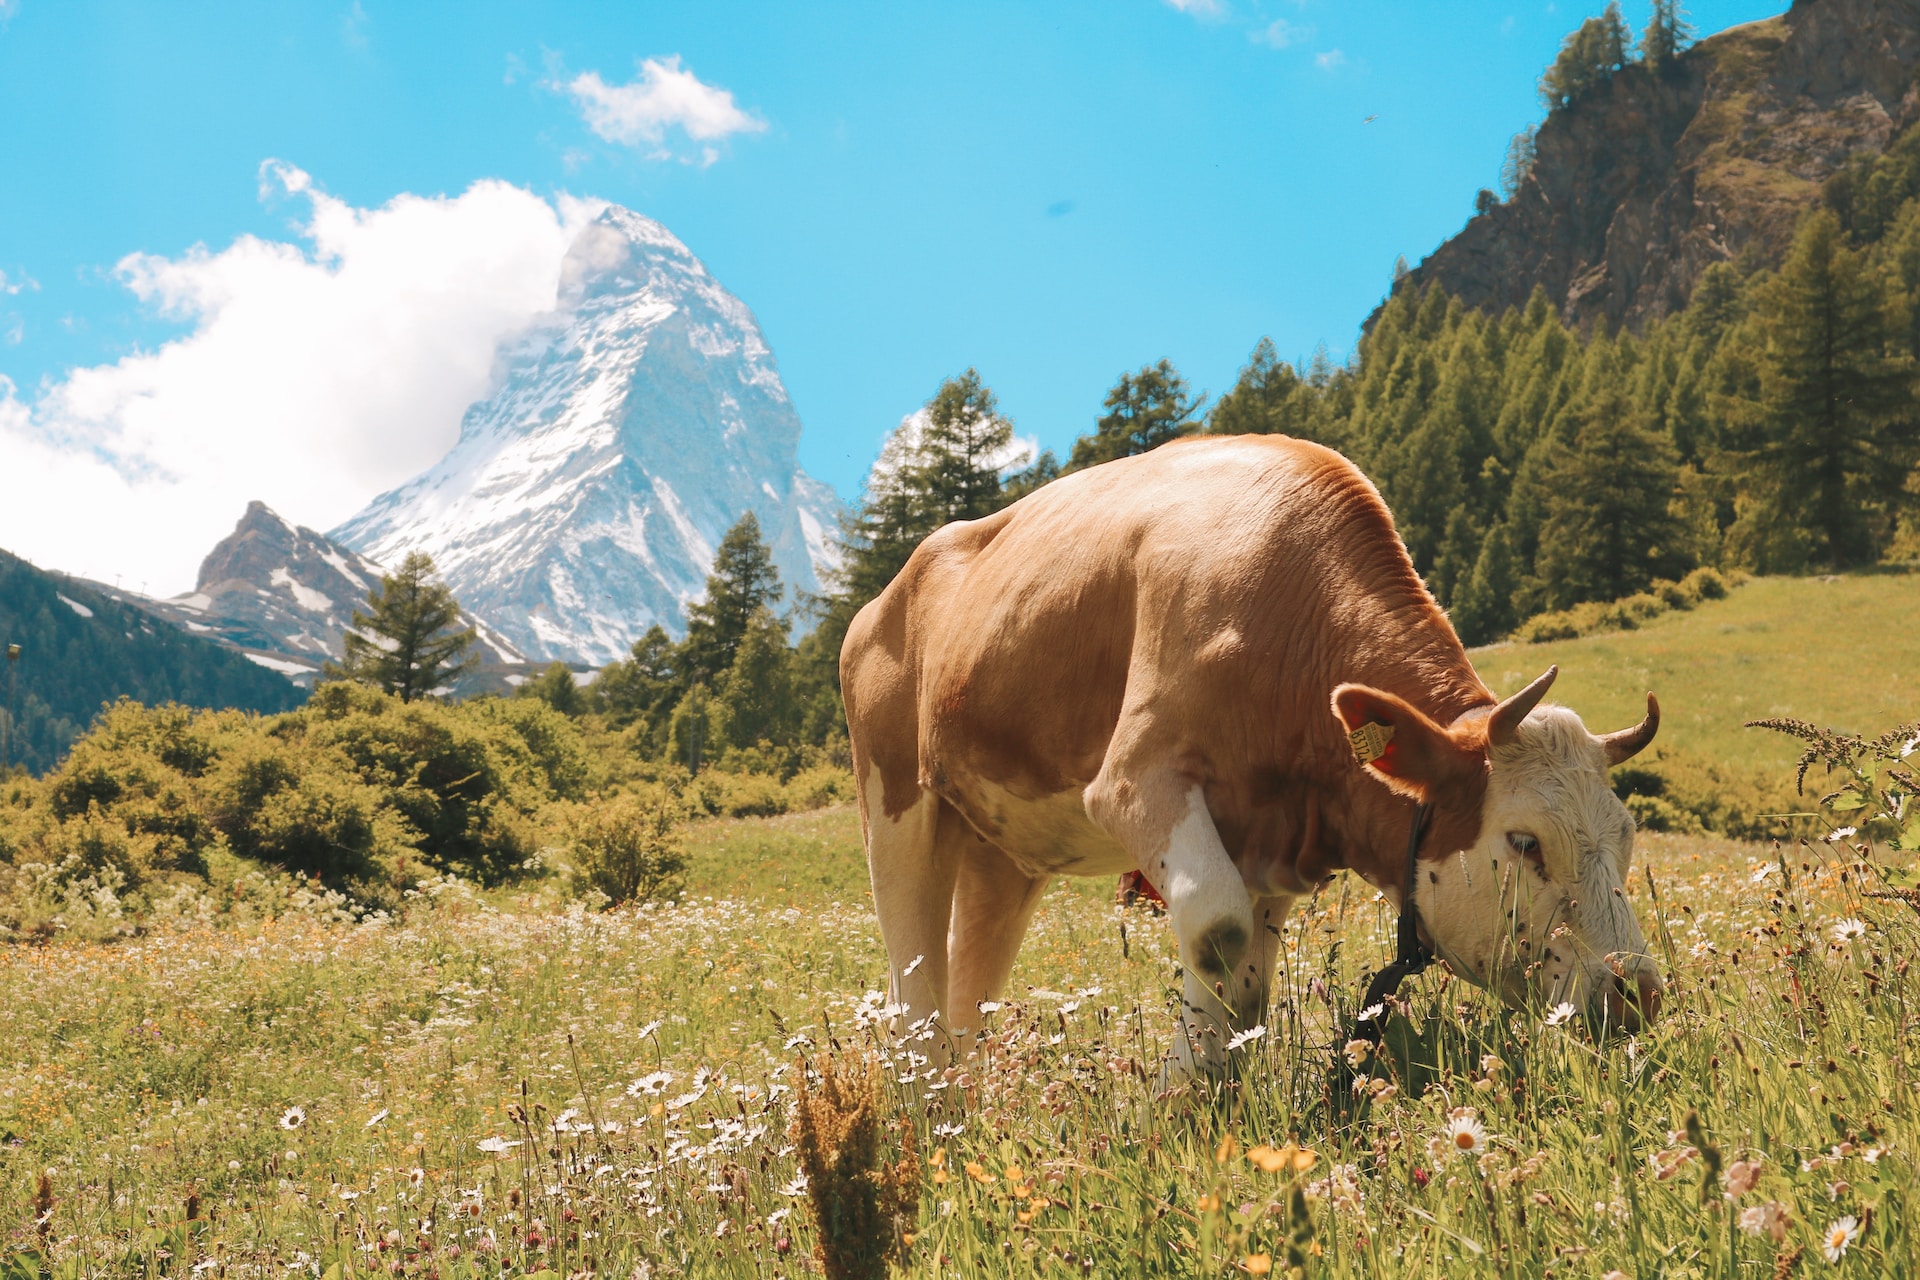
[913, 871]
[992, 905]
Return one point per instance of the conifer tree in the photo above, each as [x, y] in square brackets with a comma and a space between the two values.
[742, 582]
[556, 687]
[1269, 398]
[1144, 410]
[1484, 608]
[1043, 470]
[645, 684]
[1831, 439]
[942, 464]
[1666, 35]
[755, 703]
[408, 641]
[964, 442]
[1518, 164]
[1589, 57]
[1609, 529]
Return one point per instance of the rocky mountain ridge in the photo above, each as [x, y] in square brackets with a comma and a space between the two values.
[1643, 182]
[284, 596]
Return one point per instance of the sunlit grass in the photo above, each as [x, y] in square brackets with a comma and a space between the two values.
[1801, 647]
[509, 1086]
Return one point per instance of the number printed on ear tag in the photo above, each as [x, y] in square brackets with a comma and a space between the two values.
[1370, 741]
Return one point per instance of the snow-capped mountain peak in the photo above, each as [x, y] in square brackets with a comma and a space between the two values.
[629, 430]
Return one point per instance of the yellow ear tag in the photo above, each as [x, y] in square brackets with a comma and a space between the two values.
[1370, 741]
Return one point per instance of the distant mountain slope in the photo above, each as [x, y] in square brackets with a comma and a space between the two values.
[585, 497]
[286, 595]
[82, 646]
[1643, 182]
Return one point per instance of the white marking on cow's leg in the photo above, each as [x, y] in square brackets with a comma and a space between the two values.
[993, 903]
[1212, 916]
[913, 874]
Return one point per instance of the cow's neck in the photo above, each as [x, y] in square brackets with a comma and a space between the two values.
[1313, 810]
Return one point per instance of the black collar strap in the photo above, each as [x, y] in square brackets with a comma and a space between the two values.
[1411, 955]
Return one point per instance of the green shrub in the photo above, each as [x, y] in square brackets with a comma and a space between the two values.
[465, 780]
[820, 786]
[1626, 614]
[1672, 791]
[736, 795]
[628, 848]
[356, 789]
[278, 804]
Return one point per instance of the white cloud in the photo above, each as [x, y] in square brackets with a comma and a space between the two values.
[1199, 8]
[665, 96]
[1281, 34]
[1331, 60]
[314, 375]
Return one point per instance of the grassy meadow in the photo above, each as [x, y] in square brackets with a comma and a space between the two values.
[511, 1084]
[1800, 647]
[508, 1081]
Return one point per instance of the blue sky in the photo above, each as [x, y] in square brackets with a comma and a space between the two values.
[1052, 193]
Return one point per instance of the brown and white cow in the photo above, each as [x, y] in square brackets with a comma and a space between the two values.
[1133, 668]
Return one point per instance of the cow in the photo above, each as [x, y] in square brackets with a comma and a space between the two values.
[1171, 664]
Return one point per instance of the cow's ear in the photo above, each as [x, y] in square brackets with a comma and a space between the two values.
[1400, 744]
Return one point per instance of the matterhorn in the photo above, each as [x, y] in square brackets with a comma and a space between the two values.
[629, 429]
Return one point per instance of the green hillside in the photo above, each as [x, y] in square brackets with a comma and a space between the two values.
[81, 649]
[1840, 651]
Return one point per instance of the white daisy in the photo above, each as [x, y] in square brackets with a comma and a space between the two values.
[1849, 929]
[292, 1118]
[1464, 1133]
[1245, 1037]
[1561, 1013]
[650, 1085]
[376, 1118]
[1838, 1236]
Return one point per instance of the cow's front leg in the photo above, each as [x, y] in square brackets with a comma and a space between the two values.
[1164, 823]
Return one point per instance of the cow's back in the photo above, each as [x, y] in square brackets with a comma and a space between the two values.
[1219, 587]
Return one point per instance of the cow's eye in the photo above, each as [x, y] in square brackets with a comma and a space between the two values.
[1526, 845]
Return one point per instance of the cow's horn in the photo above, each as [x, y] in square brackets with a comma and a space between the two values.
[1506, 717]
[1624, 744]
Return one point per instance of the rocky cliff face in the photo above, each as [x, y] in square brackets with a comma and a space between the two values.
[1642, 183]
[586, 496]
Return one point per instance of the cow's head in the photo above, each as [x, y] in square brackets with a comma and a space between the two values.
[1522, 883]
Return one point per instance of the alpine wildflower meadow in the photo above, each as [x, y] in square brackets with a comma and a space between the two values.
[516, 1084]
